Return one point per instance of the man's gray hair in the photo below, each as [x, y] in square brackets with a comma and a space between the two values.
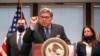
[44, 10]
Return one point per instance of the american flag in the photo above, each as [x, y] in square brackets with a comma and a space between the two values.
[12, 29]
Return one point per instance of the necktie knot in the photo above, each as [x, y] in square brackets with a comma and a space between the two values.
[47, 29]
[20, 34]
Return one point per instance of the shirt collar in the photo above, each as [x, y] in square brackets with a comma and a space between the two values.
[21, 33]
[48, 27]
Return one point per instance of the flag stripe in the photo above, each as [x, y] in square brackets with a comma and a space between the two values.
[4, 47]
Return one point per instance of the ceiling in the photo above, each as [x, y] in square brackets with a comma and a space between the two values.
[46, 1]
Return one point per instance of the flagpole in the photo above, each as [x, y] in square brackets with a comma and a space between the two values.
[20, 3]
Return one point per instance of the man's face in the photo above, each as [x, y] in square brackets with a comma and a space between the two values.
[45, 19]
[21, 22]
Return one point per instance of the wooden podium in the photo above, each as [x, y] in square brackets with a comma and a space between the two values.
[36, 49]
[50, 47]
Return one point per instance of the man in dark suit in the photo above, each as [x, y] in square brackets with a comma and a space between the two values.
[39, 25]
[14, 42]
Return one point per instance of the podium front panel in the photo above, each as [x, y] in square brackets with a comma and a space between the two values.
[53, 47]
[36, 49]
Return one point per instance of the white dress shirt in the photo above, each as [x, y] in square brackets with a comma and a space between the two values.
[88, 49]
[22, 34]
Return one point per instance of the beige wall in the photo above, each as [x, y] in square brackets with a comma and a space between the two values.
[45, 1]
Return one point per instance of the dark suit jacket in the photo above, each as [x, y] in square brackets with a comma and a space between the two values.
[38, 35]
[81, 49]
[12, 49]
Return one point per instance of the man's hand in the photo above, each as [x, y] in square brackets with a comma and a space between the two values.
[33, 21]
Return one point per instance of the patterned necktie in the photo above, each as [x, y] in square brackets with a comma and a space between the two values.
[19, 42]
[47, 33]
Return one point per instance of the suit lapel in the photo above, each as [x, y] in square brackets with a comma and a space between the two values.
[15, 41]
[41, 32]
[53, 30]
[93, 48]
[84, 50]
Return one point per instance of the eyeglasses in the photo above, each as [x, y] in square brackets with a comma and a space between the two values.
[46, 17]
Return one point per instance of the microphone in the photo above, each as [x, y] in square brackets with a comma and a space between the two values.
[58, 36]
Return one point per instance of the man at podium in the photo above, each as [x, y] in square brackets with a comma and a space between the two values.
[41, 28]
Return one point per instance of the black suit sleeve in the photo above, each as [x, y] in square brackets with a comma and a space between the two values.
[64, 37]
[80, 49]
[28, 37]
[8, 47]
